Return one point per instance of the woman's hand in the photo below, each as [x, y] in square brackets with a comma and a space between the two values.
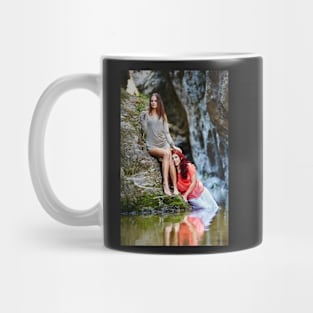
[184, 197]
[177, 148]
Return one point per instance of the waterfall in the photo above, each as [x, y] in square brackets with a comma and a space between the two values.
[199, 129]
[209, 151]
[203, 136]
[197, 107]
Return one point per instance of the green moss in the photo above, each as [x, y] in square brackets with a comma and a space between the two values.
[175, 201]
[132, 202]
[148, 201]
[156, 201]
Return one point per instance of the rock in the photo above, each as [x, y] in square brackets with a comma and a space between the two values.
[141, 180]
[196, 103]
[131, 87]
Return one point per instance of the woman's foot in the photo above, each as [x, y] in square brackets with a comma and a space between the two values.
[176, 192]
[166, 190]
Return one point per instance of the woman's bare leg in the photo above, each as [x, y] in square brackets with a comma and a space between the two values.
[165, 155]
[176, 230]
[167, 234]
[173, 177]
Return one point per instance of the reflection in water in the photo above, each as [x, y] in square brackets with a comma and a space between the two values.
[196, 228]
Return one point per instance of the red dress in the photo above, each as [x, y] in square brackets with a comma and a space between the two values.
[183, 184]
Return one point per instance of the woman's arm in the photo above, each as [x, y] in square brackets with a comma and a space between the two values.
[168, 135]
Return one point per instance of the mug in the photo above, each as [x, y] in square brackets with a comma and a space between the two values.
[181, 153]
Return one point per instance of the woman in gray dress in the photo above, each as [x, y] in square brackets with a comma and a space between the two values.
[159, 141]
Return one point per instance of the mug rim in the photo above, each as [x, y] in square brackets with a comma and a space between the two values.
[182, 57]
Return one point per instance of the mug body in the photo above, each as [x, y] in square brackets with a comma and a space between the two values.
[210, 110]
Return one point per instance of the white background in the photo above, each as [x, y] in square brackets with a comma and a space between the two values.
[49, 267]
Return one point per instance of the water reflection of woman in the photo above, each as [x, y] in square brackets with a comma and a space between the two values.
[190, 231]
[158, 140]
[186, 233]
[191, 188]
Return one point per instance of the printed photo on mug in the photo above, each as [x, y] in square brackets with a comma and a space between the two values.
[174, 161]
[181, 153]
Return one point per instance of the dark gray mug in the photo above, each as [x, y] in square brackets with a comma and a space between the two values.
[181, 153]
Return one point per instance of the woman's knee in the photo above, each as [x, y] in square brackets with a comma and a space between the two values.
[167, 154]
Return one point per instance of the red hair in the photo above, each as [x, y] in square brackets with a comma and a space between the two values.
[183, 163]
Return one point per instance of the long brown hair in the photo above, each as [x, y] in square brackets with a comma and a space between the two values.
[183, 163]
[160, 108]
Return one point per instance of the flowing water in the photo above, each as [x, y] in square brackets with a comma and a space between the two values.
[209, 150]
[172, 230]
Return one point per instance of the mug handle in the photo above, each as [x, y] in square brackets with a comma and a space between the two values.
[37, 165]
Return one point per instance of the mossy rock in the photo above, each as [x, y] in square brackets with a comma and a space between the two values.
[141, 180]
[153, 202]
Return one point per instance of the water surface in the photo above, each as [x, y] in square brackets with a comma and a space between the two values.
[174, 230]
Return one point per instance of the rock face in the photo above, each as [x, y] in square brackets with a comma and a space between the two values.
[196, 103]
[204, 96]
[141, 181]
[148, 82]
